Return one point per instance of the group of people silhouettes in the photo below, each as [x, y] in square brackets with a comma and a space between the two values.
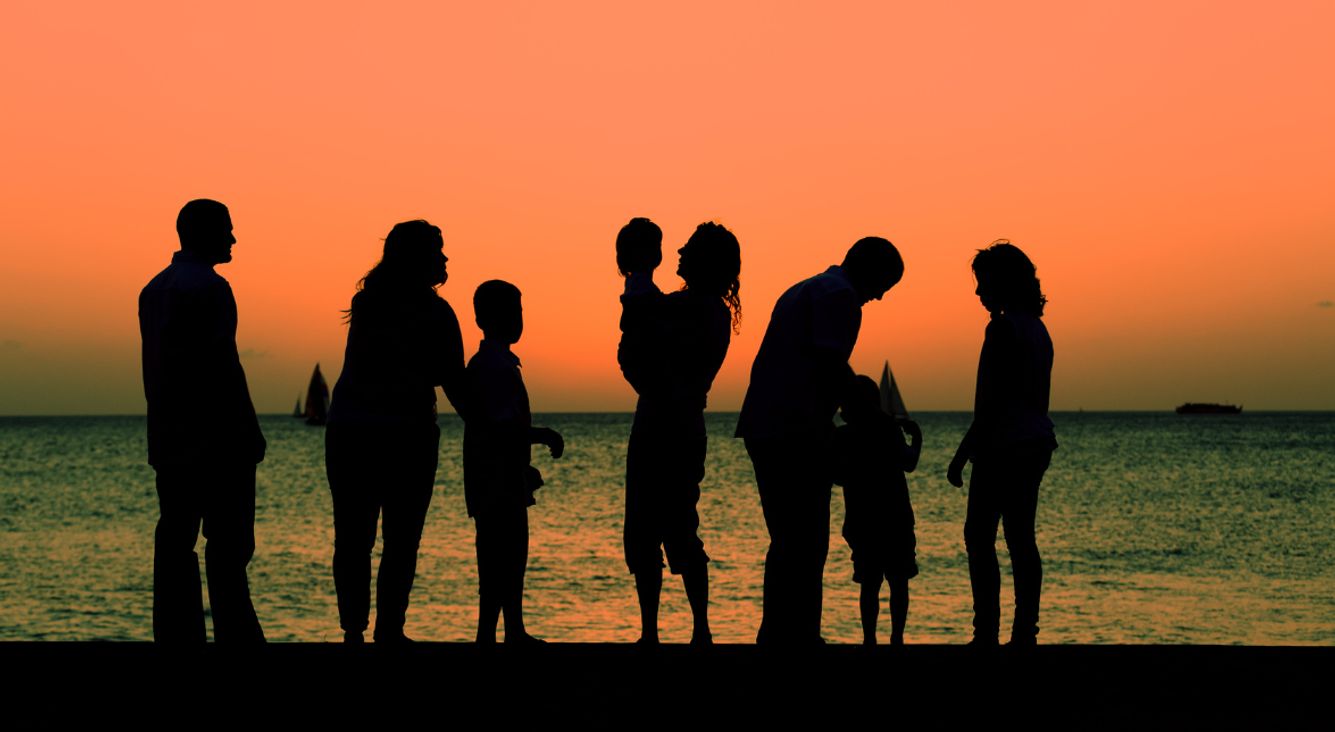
[383, 443]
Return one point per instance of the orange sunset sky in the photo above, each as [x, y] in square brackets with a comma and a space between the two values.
[1170, 167]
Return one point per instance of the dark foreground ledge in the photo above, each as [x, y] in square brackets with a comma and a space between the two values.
[622, 686]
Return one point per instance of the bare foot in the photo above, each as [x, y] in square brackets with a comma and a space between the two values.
[522, 638]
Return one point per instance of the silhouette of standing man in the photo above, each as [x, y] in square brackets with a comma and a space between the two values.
[204, 457]
[787, 416]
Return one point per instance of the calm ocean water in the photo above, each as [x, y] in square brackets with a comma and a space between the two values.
[1154, 528]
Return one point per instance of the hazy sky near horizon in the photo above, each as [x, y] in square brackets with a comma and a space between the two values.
[1168, 166]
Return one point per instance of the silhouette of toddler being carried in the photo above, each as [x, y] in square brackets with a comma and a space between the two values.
[639, 249]
[871, 457]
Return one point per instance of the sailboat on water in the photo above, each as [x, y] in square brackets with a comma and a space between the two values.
[891, 402]
[317, 399]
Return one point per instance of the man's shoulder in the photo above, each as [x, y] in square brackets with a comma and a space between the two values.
[187, 276]
[832, 281]
[161, 281]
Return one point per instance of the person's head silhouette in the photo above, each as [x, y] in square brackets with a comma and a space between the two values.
[862, 400]
[874, 266]
[204, 227]
[413, 259]
[1007, 280]
[710, 263]
[498, 311]
[639, 246]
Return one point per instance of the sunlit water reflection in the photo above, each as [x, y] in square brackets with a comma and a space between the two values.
[1154, 528]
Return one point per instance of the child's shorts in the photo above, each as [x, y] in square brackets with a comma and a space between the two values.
[884, 557]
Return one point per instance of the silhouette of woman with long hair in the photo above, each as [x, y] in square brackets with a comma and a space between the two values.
[665, 459]
[382, 445]
[1010, 441]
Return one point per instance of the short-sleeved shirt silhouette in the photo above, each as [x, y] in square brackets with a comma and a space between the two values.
[790, 394]
[497, 449]
[199, 407]
[869, 462]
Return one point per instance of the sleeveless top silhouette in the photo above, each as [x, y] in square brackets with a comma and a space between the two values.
[399, 349]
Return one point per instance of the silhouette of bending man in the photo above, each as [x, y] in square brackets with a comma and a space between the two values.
[205, 461]
[797, 381]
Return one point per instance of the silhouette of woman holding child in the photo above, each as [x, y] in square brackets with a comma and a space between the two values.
[672, 347]
[382, 444]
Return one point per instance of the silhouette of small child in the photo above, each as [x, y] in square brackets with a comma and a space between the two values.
[639, 250]
[499, 480]
[871, 457]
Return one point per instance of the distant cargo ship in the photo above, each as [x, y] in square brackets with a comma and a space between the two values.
[1195, 408]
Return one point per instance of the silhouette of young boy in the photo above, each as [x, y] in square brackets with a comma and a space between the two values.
[498, 478]
[871, 457]
[639, 250]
